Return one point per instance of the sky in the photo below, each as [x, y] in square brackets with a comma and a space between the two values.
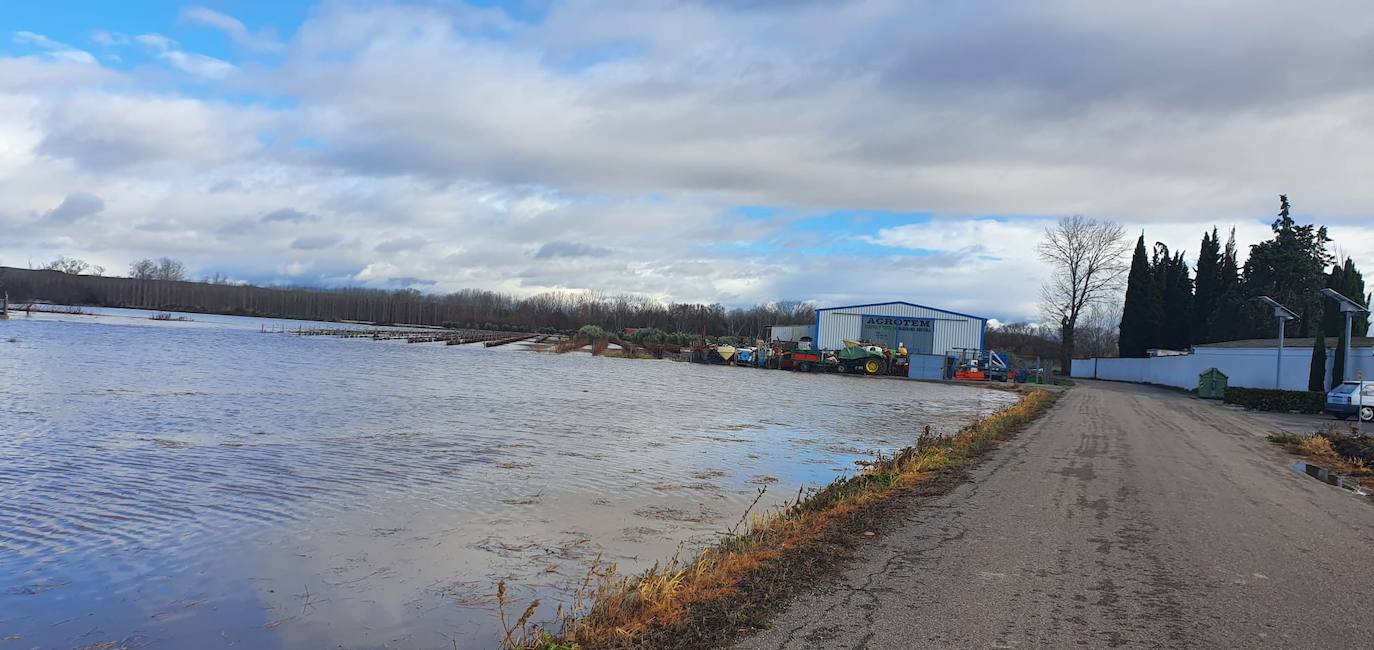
[718, 151]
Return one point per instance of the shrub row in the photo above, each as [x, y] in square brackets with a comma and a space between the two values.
[1279, 401]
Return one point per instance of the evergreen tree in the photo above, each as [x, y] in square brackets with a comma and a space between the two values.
[1289, 268]
[1226, 322]
[1139, 320]
[1176, 301]
[1332, 320]
[1348, 280]
[1316, 378]
[1338, 362]
[1208, 279]
[1354, 288]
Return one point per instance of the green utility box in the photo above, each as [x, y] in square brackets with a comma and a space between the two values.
[1211, 384]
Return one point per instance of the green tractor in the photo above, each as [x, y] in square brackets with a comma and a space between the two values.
[860, 360]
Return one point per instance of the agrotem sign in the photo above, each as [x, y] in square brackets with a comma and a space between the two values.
[916, 333]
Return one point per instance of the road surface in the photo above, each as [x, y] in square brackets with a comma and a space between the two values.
[1128, 516]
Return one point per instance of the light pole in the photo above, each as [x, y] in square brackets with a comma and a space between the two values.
[1282, 315]
[1348, 308]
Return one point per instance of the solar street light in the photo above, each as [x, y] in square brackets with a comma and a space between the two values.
[1349, 308]
[1281, 315]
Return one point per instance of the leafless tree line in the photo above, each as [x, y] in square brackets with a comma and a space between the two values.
[1095, 335]
[161, 285]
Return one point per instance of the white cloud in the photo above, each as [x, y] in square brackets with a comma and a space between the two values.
[108, 39]
[157, 42]
[233, 27]
[54, 49]
[407, 142]
[199, 65]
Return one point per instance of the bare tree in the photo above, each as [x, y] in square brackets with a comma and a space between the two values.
[1088, 260]
[71, 266]
[1099, 329]
[144, 269]
[170, 269]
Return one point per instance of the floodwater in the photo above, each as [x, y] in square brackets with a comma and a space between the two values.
[168, 484]
[1329, 477]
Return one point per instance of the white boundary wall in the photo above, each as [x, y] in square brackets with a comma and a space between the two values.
[1244, 367]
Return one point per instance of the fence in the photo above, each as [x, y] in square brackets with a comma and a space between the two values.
[1245, 367]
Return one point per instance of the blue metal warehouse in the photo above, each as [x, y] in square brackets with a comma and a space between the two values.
[924, 330]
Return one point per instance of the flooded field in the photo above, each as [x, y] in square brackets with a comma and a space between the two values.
[169, 484]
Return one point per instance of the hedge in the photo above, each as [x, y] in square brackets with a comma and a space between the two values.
[1280, 401]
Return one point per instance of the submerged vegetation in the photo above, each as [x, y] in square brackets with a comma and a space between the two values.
[642, 343]
[737, 582]
[50, 309]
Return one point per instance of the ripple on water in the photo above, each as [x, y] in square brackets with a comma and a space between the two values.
[219, 486]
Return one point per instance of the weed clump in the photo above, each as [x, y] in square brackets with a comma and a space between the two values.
[1347, 453]
[1285, 438]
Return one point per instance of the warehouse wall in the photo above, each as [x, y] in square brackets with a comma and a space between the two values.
[1244, 367]
[792, 332]
[951, 331]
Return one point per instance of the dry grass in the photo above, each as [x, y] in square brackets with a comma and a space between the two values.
[1322, 448]
[1317, 447]
[739, 580]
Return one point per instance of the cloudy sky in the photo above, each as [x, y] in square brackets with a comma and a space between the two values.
[703, 151]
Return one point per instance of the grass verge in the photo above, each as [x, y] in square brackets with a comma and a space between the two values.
[1345, 453]
[733, 586]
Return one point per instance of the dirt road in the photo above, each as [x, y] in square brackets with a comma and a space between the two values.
[1127, 516]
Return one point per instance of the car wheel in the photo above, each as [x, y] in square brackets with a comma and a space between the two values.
[1367, 413]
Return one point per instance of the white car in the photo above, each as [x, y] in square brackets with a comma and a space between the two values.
[1352, 398]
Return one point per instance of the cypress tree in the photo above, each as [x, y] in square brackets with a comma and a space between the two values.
[1160, 278]
[1138, 320]
[1332, 320]
[1226, 322]
[1347, 280]
[1316, 378]
[1208, 277]
[1177, 304]
[1354, 288]
[1338, 363]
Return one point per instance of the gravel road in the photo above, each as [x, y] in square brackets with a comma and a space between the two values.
[1128, 516]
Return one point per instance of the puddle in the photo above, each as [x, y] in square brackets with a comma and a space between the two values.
[1329, 477]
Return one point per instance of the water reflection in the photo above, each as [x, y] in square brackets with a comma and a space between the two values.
[1329, 477]
[175, 483]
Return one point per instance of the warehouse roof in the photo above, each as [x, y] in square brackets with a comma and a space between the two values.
[903, 302]
[1355, 342]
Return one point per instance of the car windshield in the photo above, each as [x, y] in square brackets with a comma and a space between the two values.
[1346, 388]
